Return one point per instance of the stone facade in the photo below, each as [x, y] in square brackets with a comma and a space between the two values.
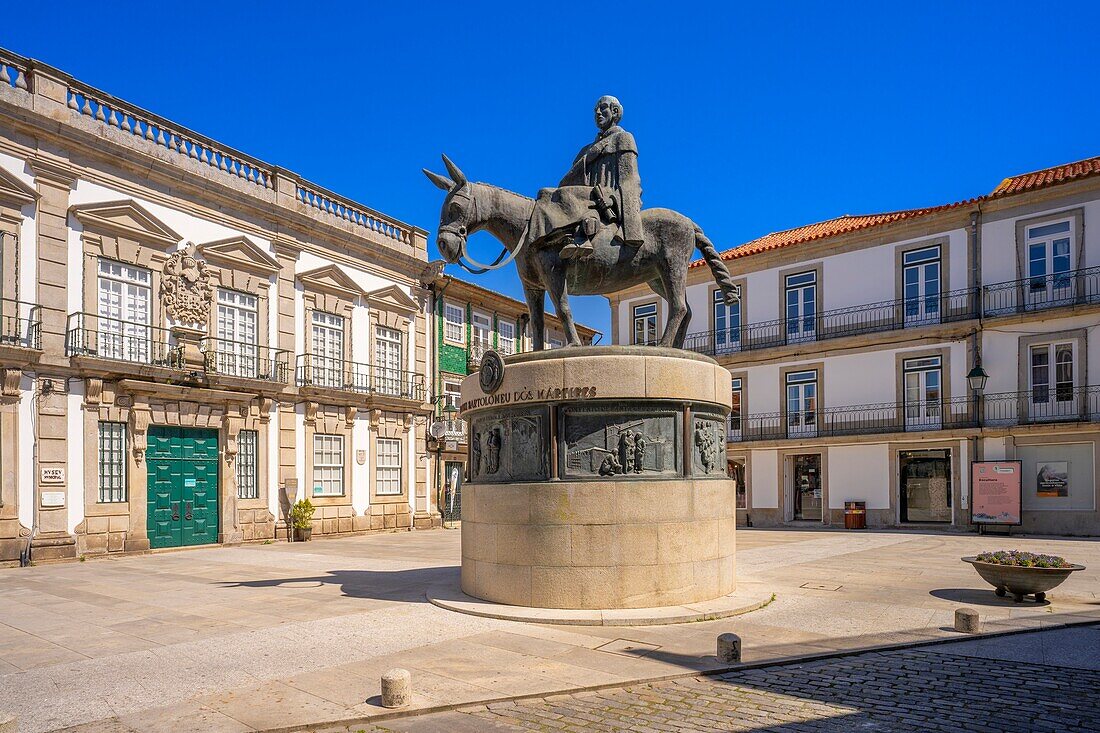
[186, 331]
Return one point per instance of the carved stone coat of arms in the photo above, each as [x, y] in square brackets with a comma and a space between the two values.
[185, 288]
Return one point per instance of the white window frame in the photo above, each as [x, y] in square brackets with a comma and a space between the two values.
[326, 348]
[328, 464]
[804, 324]
[388, 473]
[388, 360]
[727, 324]
[454, 323]
[804, 420]
[506, 333]
[124, 329]
[452, 392]
[735, 424]
[237, 338]
[1056, 397]
[1053, 285]
[923, 411]
[920, 305]
[645, 315]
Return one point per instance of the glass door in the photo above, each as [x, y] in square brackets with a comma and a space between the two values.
[801, 307]
[925, 485]
[921, 276]
[1049, 265]
[806, 486]
[387, 361]
[802, 404]
[923, 398]
[236, 330]
[727, 325]
[1053, 375]
[327, 350]
[124, 312]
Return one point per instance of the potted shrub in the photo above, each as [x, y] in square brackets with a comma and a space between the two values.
[301, 518]
[1022, 573]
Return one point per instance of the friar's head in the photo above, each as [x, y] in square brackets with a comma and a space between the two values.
[608, 112]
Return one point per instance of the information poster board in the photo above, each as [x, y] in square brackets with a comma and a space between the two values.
[995, 492]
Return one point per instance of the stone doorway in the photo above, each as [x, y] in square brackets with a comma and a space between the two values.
[183, 486]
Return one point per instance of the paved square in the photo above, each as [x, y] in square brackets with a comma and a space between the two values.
[285, 635]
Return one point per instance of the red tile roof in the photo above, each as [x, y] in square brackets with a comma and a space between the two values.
[1047, 177]
[849, 223]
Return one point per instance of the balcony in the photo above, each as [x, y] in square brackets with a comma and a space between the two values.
[355, 378]
[240, 360]
[90, 335]
[1006, 409]
[1075, 287]
[887, 315]
[20, 324]
[476, 354]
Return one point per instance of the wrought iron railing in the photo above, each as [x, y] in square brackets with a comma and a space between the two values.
[250, 361]
[1075, 287]
[887, 315]
[1054, 404]
[20, 324]
[350, 376]
[476, 354]
[87, 334]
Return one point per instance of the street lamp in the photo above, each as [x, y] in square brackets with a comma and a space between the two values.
[977, 378]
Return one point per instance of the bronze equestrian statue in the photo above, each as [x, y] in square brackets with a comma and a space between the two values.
[588, 236]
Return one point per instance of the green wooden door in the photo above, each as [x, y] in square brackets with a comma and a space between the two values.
[183, 486]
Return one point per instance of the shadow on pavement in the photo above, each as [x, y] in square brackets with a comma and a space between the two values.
[976, 597]
[392, 585]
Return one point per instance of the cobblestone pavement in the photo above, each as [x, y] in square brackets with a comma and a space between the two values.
[912, 690]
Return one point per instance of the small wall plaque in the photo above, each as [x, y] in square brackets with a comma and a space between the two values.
[53, 475]
[53, 498]
[360, 457]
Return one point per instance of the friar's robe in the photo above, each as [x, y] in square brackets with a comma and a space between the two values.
[611, 162]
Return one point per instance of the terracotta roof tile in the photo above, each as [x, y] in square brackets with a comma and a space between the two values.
[1047, 177]
[849, 223]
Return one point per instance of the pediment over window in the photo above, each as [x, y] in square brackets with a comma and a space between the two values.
[330, 279]
[239, 253]
[126, 218]
[14, 192]
[392, 298]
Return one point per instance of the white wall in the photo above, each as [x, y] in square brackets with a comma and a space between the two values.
[764, 479]
[859, 473]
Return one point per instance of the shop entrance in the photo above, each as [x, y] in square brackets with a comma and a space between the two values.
[805, 485]
[183, 486]
[925, 485]
[450, 504]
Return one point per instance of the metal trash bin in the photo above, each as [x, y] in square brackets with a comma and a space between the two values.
[855, 515]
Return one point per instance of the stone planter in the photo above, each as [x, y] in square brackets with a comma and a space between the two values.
[303, 535]
[1021, 581]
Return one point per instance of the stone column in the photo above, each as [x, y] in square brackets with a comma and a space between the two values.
[141, 417]
[229, 527]
[54, 179]
[284, 338]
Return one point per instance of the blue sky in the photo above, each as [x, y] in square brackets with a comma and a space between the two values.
[749, 118]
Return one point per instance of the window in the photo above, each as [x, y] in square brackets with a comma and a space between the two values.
[801, 295]
[482, 330]
[236, 350]
[727, 324]
[1049, 261]
[1053, 376]
[124, 298]
[387, 467]
[923, 397]
[328, 465]
[454, 323]
[735, 412]
[802, 403]
[247, 486]
[112, 462]
[506, 331]
[554, 343]
[387, 361]
[645, 324]
[921, 283]
[451, 394]
[327, 349]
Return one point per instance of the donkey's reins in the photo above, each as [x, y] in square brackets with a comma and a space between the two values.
[503, 259]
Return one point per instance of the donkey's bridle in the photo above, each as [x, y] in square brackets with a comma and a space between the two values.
[459, 231]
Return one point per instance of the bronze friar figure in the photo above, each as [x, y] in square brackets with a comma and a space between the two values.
[588, 236]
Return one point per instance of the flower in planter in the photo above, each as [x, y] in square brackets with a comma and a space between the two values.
[1021, 559]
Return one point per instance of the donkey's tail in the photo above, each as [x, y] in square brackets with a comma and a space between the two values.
[717, 267]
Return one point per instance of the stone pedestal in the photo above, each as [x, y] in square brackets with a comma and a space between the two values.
[598, 480]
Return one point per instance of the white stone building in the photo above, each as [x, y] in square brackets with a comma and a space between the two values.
[192, 338]
[852, 344]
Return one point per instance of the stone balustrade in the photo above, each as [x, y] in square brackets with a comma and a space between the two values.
[13, 72]
[342, 208]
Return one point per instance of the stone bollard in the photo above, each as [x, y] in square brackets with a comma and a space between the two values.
[966, 621]
[729, 648]
[8, 723]
[396, 688]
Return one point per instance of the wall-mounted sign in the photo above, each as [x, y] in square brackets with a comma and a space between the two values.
[1052, 478]
[360, 457]
[451, 445]
[995, 493]
[53, 498]
[53, 476]
[189, 483]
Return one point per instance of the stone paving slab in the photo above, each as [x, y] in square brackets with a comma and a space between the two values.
[306, 630]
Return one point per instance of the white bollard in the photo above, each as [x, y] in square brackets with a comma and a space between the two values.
[729, 648]
[396, 688]
[967, 621]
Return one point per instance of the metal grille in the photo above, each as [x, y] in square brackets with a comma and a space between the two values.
[112, 462]
[247, 487]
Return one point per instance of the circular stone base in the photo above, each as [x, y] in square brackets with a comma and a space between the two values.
[448, 595]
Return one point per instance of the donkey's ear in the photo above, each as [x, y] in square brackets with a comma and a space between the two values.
[440, 181]
[456, 175]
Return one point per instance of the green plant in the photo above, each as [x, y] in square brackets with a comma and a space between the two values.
[301, 514]
[1020, 559]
